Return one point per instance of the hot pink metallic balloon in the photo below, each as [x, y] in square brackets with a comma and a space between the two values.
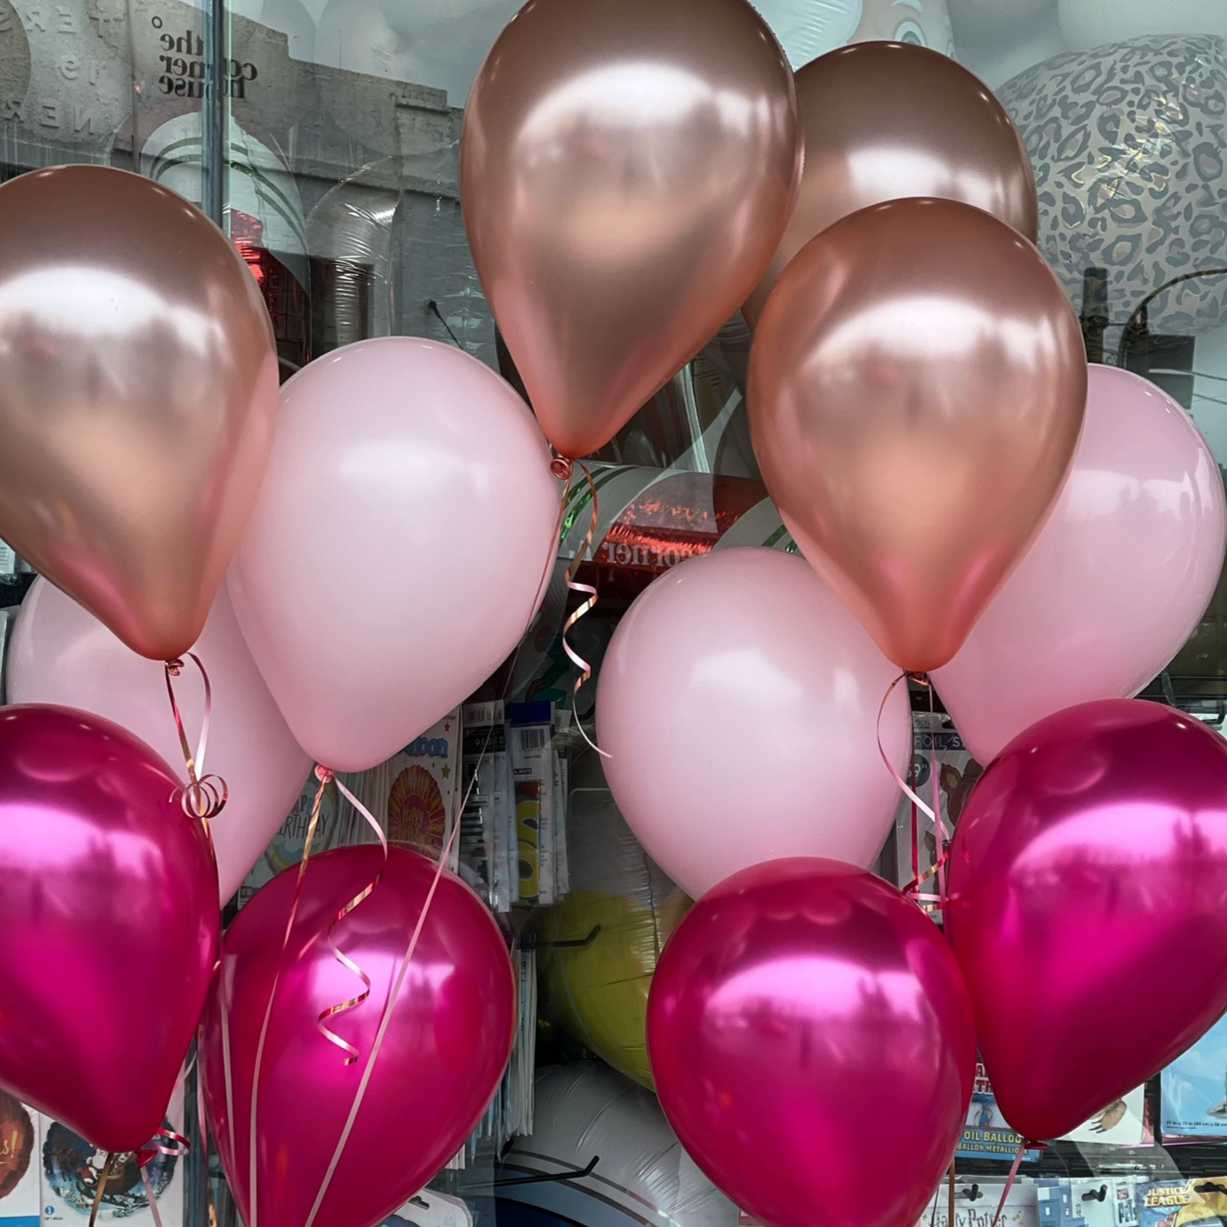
[441, 1059]
[108, 905]
[1114, 584]
[812, 1045]
[1092, 851]
[61, 653]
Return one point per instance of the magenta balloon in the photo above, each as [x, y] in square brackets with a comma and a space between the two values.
[1116, 581]
[812, 1045]
[739, 701]
[1090, 854]
[441, 1060]
[416, 472]
[60, 653]
[108, 905]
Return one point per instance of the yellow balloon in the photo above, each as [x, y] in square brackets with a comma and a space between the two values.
[598, 989]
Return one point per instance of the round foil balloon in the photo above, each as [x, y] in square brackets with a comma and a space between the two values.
[746, 717]
[61, 654]
[584, 1110]
[917, 386]
[886, 120]
[1092, 851]
[138, 396]
[627, 168]
[1116, 581]
[602, 942]
[108, 900]
[1118, 226]
[444, 1050]
[812, 1044]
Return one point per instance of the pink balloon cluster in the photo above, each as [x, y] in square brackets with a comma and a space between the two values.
[424, 474]
[812, 1033]
[790, 1008]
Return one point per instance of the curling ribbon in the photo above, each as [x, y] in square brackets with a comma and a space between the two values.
[1023, 1146]
[562, 469]
[390, 1006]
[385, 1020]
[333, 1010]
[103, 1178]
[324, 775]
[205, 795]
[585, 669]
[151, 1197]
[930, 902]
[179, 1150]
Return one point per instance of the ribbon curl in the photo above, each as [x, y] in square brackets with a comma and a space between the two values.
[324, 775]
[560, 468]
[205, 795]
[930, 902]
[333, 1010]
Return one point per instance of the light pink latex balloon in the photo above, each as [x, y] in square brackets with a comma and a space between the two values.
[62, 654]
[739, 701]
[415, 476]
[1116, 581]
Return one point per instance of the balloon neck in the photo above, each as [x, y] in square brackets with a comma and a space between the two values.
[921, 679]
[562, 467]
[325, 775]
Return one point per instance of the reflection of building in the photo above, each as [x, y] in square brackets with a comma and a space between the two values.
[347, 181]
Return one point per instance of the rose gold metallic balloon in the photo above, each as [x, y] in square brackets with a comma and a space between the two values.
[887, 120]
[138, 393]
[627, 170]
[916, 389]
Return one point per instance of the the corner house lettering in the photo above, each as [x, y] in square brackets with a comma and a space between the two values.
[183, 68]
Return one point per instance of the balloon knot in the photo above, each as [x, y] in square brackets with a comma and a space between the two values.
[921, 679]
[325, 775]
[174, 667]
[561, 467]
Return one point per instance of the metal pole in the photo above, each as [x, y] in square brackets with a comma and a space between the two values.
[215, 110]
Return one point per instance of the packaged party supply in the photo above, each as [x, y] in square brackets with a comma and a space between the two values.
[986, 1135]
[532, 772]
[1182, 1203]
[413, 795]
[487, 825]
[1121, 1123]
[933, 737]
[1102, 1202]
[976, 1201]
[19, 1164]
[421, 804]
[71, 1168]
[1193, 1090]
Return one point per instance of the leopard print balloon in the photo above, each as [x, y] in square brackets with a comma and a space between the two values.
[1128, 143]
